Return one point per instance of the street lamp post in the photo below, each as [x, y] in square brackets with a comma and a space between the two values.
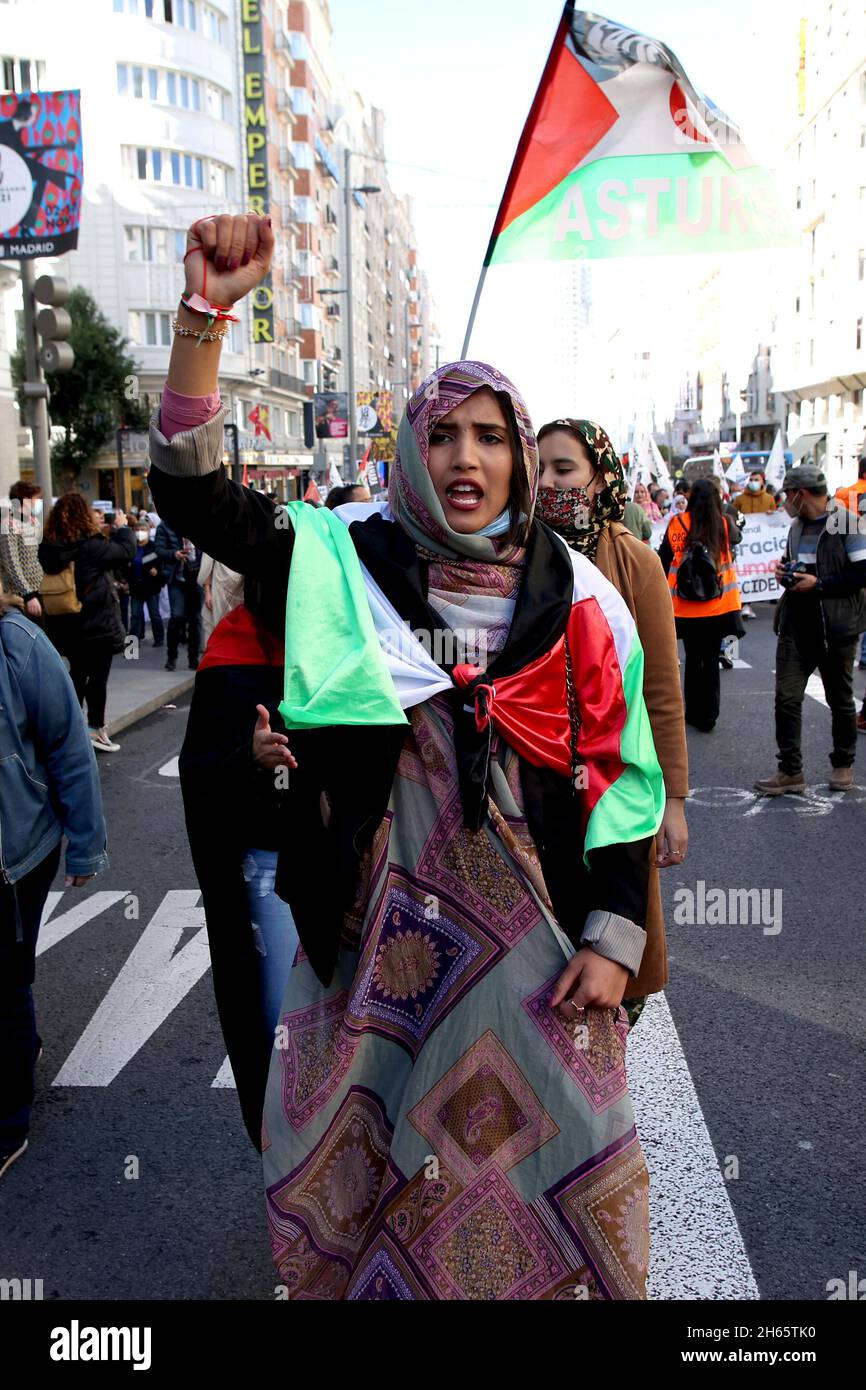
[350, 314]
[348, 190]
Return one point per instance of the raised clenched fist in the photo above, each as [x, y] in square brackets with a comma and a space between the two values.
[230, 256]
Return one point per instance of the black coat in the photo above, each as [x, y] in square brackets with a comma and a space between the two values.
[95, 558]
[230, 806]
[167, 543]
[318, 866]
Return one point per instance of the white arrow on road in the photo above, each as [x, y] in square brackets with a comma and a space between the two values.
[154, 980]
[54, 929]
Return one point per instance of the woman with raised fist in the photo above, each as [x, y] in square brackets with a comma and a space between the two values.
[447, 1113]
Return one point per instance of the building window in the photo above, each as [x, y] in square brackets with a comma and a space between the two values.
[150, 329]
[155, 245]
[859, 334]
[218, 179]
[182, 170]
[182, 12]
[213, 25]
[799, 197]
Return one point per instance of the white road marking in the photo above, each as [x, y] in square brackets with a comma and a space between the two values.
[225, 1077]
[740, 665]
[697, 1250]
[815, 689]
[151, 984]
[54, 929]
[170, 769]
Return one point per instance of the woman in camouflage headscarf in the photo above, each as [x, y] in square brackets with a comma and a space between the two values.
[583, 498]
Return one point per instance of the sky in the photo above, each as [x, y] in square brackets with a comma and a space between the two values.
[455, 80]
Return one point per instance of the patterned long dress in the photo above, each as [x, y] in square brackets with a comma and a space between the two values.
[432, 1129]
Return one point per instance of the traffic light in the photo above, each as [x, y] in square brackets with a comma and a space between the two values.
[53, 324]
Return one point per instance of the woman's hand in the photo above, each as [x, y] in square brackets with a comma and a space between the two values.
[672, 841]
[231, 255]
[270, 750]
[208, 596]
[33, 607]
[589, 981]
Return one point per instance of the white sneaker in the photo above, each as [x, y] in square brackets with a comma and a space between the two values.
[747, 612]
[100, 740]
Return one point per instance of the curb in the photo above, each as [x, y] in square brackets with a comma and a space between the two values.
[165, 697]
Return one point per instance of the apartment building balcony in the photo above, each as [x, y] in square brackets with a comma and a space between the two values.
[289, 214]
[330, 220]
[287, 160]
[331, 265]
[285, 107]
[294, 330]
[333, 311]
[283, 46]
[293, 273]
[282, 381]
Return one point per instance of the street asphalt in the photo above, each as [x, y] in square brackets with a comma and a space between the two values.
[140, 1182]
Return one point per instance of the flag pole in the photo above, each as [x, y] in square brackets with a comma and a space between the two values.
[562, 29]
[471, 324]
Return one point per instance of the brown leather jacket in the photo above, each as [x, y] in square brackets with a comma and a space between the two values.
[636, 572]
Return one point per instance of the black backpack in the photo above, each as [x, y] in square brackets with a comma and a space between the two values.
[698, 580]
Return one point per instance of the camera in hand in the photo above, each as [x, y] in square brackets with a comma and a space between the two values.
[790, 570]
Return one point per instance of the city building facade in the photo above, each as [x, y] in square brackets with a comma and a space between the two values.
[820, 350]
[192, 106]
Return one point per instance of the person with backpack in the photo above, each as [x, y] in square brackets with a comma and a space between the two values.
[696, 556]
[49, 788]
[79, 596]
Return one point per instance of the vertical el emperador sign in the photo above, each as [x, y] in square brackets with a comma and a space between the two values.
[256, 135]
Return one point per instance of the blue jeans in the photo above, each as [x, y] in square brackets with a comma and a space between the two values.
[20, 914]
[274, 932]
[156, 624]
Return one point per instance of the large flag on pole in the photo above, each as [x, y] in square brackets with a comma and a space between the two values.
[622, 156]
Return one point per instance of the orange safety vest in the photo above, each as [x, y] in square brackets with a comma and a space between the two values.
[728, 600]
[850, 497]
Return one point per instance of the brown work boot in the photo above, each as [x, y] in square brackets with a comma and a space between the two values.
[780, 784]
[841, 779]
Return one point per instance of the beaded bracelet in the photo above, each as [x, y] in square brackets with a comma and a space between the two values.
[204, 336]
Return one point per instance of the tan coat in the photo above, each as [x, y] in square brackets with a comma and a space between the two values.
[636, 572]
[751, 502]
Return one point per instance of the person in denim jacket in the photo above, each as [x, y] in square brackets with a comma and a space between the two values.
[49, 788]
